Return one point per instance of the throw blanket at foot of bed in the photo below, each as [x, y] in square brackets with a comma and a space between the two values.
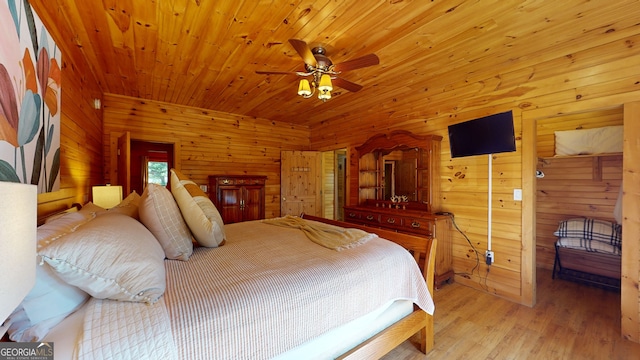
[329, 236]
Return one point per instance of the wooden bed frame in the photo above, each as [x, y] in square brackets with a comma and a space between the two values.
[598, 269]
[416, 322]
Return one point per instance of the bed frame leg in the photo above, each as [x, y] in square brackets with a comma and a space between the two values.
[427, 336]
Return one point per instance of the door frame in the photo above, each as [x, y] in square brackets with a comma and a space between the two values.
[630, 315]
[113, 151]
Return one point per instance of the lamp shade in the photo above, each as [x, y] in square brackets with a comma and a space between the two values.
[304, 89]
[18, 211]
[325, 84]
[107, 196]
[324, 96]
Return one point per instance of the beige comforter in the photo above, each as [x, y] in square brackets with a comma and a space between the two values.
[267, 290]
[270, 289]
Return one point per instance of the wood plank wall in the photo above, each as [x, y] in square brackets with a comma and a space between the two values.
[80, 125]
[210, 142]
[573, 186]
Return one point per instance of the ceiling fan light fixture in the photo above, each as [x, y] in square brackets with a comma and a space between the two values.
[324, 95]
[304, 89]
[325, 84]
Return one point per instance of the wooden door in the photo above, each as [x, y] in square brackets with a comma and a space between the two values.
[301, 183]
[124, 162]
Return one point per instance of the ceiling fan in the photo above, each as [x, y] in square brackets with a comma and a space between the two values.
[323, 72]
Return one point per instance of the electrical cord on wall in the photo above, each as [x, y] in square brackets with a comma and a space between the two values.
[453, 221]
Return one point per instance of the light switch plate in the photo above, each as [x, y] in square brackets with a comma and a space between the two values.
[517, 194]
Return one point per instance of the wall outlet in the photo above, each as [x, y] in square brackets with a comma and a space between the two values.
[489, 257]
[517, 194]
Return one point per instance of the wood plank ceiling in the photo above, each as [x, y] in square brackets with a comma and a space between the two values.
[204, 53]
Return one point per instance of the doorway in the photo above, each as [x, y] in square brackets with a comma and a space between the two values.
[334, 180]
[150, 163]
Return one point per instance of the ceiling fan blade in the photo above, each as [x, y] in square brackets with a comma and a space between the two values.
[276, 72]
[364, 61]
[303, 50]
[346, 84]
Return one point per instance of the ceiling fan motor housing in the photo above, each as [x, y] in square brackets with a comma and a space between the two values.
[323, 63]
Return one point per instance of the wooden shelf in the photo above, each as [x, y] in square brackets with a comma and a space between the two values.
[578, 156]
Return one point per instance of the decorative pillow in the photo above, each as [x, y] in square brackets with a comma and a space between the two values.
[201, 215]
[112, 257]
[591, 229]
[54, 228]
[51, 299]
[128, 206]
[92, 208]
[589, 245]
[160, 214]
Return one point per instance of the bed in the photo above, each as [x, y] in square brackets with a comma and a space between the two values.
[252, 290]
[589, 251]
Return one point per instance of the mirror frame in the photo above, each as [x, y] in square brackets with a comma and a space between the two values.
[386, 143]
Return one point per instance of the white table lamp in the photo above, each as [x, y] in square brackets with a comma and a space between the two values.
[107, 196]
[19, 217]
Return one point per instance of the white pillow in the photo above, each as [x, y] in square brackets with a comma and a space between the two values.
[51, 299]
[201, 215]
[47, 304]
[160, 214]
[112, 257]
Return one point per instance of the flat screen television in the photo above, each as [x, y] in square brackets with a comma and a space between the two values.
[487, 135]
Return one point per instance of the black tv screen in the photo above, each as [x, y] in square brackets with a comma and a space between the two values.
[487, 135]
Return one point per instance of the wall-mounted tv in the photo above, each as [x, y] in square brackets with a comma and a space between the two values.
[487, 135]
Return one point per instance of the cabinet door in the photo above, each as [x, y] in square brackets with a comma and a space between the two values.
[230, 199]
[252, 206]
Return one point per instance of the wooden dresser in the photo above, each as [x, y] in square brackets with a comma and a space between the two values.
[404, 167]
[416, 222]
[238, 197]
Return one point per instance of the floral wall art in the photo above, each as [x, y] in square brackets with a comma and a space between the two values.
[29, 99]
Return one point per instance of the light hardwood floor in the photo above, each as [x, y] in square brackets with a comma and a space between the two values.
[569, 321]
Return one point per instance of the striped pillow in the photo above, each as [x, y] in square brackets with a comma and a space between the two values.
[160, 214]
[201, 215]
[591, 229]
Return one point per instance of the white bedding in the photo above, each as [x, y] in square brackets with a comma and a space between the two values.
[228, 303]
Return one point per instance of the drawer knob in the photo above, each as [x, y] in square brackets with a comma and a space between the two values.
[391, 220]
[415, 224]
[352, 214]
[369, 217]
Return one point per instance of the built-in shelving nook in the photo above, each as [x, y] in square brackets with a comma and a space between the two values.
[585, 185]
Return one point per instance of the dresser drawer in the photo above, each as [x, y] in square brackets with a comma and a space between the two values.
[240, 181]
[250, 181]
[417, 225]
[363, 217]
[226, 181]
[391, 220]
